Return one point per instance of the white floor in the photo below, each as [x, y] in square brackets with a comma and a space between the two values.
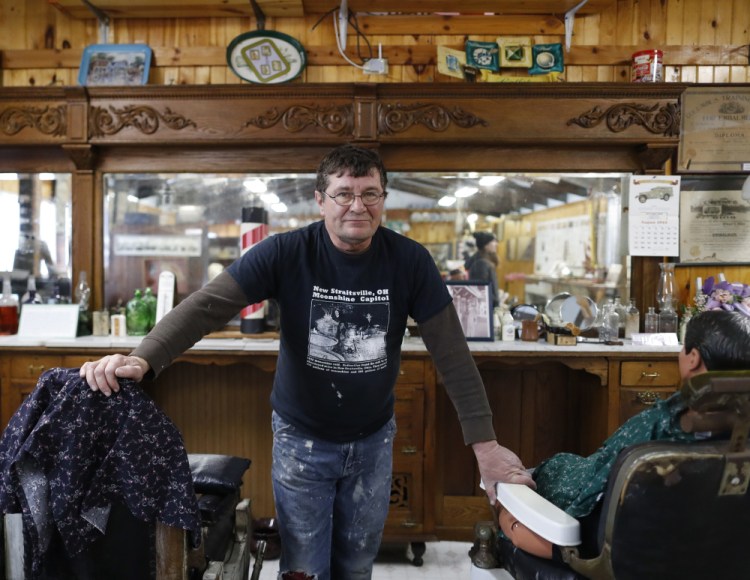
[442, 561]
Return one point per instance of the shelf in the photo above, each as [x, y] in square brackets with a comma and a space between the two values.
[301, 8]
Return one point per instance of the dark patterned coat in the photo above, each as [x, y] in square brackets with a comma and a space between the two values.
[68, 452]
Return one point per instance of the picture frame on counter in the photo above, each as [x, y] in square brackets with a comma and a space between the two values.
[473, 302]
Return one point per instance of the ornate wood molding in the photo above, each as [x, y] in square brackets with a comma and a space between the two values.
[336, 119]
[657, 119]
[83, 156]
[47, 120]
[398, 118]
[145, 119]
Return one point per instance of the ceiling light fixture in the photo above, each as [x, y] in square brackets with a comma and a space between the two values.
[490, 180]
[255, 185]
[466, 191]
[446, 201]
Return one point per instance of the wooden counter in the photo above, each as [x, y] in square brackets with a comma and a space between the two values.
[545, 399]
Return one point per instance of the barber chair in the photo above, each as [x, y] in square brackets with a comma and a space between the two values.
[132, 549]
[671, 510]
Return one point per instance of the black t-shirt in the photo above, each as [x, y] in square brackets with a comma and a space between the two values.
[343, 318]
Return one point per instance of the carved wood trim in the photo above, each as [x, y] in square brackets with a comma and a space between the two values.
[111, 120]
[82, 155]
[397, 118]
[659, 118]
[336, 119]
[46, 120]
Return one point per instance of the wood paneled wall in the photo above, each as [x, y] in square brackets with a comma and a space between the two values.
[704, 42]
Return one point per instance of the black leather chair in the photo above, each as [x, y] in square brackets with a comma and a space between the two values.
[671, 510]
[133, 549]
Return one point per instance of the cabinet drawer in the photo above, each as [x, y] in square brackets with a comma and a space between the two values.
[633, 401]
[650, 374]
[411, 371]
[30, 367]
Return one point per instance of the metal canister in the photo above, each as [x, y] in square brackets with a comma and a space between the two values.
[647, 66]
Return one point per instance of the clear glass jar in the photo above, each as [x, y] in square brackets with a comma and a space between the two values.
[668, 319]
[651, 321]
[632, 319]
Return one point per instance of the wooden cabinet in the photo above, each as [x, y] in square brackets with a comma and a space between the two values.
[643, 382]
[543, 402]
[406, 515]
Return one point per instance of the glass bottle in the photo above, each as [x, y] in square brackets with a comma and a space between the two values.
[150, 300]
[632, 319]
[509, 327]
[82, 296]
[668, 319]
[137, 315]
[622, 315]
[665, 289]
[610, 322]
[651, 321]
[8, 310]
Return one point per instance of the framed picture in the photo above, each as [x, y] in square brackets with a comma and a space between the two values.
[474, 306]
[714, 220]
[115, 65]
[515, 51]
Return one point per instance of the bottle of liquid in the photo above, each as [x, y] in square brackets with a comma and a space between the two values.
[651, 321]
[82, 296]
[622, 314]
[137, 315]
[668, 318]
[150, 300]
[509, 327]
[632, 320]
[8, 310]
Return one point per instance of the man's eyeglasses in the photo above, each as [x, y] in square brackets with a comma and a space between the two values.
[347, 197]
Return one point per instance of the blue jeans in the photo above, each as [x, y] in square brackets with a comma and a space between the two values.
[331, 500]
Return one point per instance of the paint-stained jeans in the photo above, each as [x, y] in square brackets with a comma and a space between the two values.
[331, 501]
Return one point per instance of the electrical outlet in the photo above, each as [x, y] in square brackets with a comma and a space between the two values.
[376, 66]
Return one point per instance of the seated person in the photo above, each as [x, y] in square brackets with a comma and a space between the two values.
[715, 340]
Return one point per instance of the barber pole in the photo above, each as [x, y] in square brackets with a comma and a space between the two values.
[254, 229]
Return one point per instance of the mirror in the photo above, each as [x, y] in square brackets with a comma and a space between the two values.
[556, 232]
[35, 240]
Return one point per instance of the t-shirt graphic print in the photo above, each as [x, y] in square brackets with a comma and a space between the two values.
[348, 330]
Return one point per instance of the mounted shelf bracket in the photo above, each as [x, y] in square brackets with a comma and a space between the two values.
[570, 17]
[259, 15]
[103, 19]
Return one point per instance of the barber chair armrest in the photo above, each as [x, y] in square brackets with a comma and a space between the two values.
[539, 515]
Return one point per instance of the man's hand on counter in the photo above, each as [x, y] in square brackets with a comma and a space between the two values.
[103, 374]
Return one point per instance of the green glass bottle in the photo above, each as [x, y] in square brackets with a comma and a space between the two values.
[137, 315]
[150, 300]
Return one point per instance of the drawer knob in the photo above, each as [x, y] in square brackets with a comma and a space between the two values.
[653, 375]
[647, 397]
[408, 450]
[35, 370]
[408, 524]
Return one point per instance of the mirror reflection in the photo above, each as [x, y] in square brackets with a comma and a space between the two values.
[555, 232]
[35, 240]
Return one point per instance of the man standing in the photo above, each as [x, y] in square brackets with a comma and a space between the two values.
[345, 287]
